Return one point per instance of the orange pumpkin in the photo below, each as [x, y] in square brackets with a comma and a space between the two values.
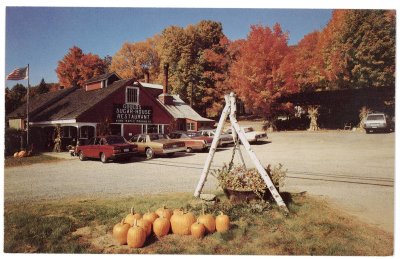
[198, 230]
[161, 226]
[22, 153]
[164, 211]
[136, 236]
[208, 221]
[181, 222]
[222, 222]
[150, 216]
[132, 216]
[120, 232]
[146, 225]
[16, 154]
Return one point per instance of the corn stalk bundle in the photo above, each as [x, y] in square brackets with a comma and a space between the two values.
[313, 115]
[363, 115]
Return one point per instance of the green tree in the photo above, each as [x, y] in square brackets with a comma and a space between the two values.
[42, 87]
[15, 97]
[369, 41]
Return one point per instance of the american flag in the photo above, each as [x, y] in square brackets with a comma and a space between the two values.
[18, 74]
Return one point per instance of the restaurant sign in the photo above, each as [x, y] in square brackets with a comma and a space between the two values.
[128, 113]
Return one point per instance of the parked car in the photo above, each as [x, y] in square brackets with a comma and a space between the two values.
[251, 134]
[193, 141]
[154, 144]
[107, 148]
[378, 122]
[224, 139]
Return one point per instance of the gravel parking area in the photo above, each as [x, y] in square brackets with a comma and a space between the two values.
[355, 171]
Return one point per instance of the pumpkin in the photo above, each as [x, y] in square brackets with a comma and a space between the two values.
[136, 236]
[132, 216]
[150, 216]
[22, 153]
[198, 229]
[120, 232]
[164, 211]
[146, 225]
[208, 221]
[16, 154]
[222, 222]
[181, 222]
[161, 226]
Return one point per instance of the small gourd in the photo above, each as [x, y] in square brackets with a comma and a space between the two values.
[161, 226]
[181, 222]
[16, 154]
[222, 222]
[120, 232]
[198, 229]
[132, 216]
[208, 221]
[136, 236]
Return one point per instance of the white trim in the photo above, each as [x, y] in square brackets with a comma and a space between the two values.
[53, 122]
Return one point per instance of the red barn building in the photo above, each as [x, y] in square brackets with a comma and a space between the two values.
[107, 104]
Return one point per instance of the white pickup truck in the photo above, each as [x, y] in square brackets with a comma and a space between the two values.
[251, 134]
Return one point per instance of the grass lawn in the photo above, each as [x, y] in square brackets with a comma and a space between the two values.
[85, 226]
[22, 161]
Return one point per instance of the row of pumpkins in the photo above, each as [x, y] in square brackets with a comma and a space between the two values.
[22, 153]
[135, 227]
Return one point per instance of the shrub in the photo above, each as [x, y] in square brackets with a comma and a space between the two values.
[12, 140]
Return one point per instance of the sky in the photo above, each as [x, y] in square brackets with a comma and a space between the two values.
[41, 36]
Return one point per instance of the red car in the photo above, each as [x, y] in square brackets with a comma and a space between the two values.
[107, 148]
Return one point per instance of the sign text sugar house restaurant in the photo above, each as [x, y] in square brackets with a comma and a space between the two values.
[125, 106]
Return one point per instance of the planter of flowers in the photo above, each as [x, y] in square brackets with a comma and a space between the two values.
[242, 185]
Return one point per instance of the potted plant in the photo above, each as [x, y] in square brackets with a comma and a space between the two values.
[241, 184]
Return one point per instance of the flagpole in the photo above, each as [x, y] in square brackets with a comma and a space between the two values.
[27, 116]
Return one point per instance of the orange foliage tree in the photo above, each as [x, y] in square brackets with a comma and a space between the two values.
[76, 67]
[255, 76]
[134, 58]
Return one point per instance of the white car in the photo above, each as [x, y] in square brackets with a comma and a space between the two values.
[251, 134]
[224, 139]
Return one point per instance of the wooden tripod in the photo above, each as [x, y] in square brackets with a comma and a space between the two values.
[230, 108]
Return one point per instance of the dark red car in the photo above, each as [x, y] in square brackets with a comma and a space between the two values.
[107, 148]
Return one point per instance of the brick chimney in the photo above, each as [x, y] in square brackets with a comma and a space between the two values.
[146, 76]
[165, 88]
[165, 97]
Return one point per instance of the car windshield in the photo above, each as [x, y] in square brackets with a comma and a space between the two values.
[249, 129]
[375, 117]
[115, 140]
[157, 137]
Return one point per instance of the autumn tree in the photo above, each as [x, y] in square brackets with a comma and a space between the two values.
[76, 67]
[185, 51]
[255, 75]
[134, 58]
[303, 66]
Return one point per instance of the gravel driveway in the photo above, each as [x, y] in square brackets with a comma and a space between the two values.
[355, 171]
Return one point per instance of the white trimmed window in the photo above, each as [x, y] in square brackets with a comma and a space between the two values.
[132, 95]
[190, 126]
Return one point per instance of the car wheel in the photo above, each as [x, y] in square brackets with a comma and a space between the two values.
[103, 158]
[82, 156]
[367, 131]
[189, 150]
[149, 153]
